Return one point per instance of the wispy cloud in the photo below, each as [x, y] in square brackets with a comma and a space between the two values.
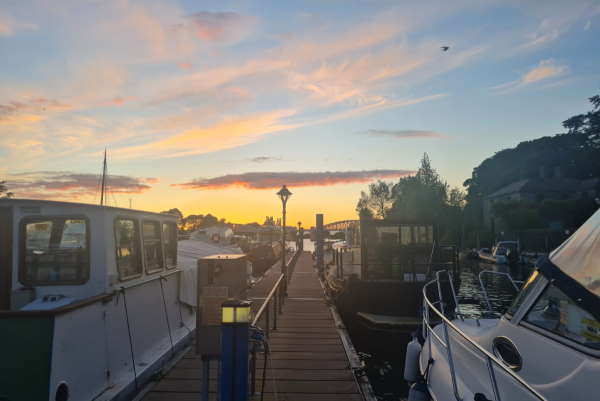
[220, 26]
[227, 133]
[71, 185]
[269, 180]
[262, 159]
[554, 20]
[545, 71]
[29, 110]
[404, 133]
[9, 26]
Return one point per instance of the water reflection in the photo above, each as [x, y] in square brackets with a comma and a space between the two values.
[500, 290]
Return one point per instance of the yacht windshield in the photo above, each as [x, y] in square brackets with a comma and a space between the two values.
[529, 284]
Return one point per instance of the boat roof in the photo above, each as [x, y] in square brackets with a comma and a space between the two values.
[33, 202]
[579, 255]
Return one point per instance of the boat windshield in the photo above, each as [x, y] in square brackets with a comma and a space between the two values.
[501, 251]
[524, 293]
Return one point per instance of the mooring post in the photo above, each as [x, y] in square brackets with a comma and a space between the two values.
[235, 327]
[319, 248]
[205, 377]
[341, 256]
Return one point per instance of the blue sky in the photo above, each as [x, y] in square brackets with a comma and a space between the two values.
[189, 94]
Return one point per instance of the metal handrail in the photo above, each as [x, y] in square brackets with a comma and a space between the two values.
[484, 291]
[267, 300]
[277, 296]
[490, 358]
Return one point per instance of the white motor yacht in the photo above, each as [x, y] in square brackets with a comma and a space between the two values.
[546, 346]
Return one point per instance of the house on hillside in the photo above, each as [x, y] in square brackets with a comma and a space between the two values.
[535, 190]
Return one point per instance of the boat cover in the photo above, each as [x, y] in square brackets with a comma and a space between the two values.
[579, 256]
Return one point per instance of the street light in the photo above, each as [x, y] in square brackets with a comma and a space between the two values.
[284, 194]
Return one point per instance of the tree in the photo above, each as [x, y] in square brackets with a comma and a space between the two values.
[457, 198]
[209, 221]
[4, 193]
[377, 201]
[269, 221]
[421, 197]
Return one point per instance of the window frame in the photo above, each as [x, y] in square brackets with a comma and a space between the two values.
[23, 243]
[160, 243]
[168, 223]
[137, 239]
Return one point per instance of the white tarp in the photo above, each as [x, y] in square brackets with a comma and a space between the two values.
[579, 256]
[188, 253]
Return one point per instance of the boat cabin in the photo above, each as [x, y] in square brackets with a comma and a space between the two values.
[92, 300]
[54, 253]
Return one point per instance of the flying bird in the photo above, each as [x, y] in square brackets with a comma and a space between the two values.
[444, 48]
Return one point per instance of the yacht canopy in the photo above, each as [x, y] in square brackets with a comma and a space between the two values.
[579, 256]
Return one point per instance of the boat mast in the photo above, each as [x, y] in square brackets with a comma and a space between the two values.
[103, 187]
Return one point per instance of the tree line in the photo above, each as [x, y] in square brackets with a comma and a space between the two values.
[425, 196]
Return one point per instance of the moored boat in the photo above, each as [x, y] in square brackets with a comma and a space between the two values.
[93, 300]
[546, 346]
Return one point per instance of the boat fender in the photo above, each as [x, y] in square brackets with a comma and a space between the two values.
[62, 392]
[418, 392]
[411, 361]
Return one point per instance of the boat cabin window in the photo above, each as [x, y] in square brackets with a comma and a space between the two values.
[556, 312]
[54, 251]
[416, 234]
[153, 253]
[170, 244]
[127, 248]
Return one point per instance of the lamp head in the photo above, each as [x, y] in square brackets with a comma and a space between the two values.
[236, 311]
[284, 194]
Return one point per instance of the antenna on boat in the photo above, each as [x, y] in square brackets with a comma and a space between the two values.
[103, 187]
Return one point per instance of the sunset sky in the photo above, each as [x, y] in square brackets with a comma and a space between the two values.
[211, 106]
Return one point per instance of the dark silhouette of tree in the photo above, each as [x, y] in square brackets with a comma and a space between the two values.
[377, 201]
[4, 193]
[420, 197]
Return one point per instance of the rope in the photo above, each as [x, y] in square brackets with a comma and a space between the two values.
[130, 338]
[162, 291]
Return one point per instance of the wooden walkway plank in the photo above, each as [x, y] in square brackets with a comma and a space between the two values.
[307, 359]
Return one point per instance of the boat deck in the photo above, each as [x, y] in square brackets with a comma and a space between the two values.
[308, 360]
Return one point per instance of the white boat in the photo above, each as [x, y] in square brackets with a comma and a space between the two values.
[497, 255]
[93, 300]
[545, 347]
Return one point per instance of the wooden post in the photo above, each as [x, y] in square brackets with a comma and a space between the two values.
[319, 245]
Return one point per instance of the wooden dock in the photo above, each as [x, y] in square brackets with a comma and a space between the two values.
[308, 360]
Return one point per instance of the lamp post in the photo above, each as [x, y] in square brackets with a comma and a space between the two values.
[284, 194]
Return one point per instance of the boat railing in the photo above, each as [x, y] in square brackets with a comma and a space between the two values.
[448, 326]
[271, 307]
[484, 290]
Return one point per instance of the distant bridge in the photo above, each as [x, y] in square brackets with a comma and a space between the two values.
[341, 225]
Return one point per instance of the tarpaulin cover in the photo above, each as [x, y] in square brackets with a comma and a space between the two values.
[579, 256]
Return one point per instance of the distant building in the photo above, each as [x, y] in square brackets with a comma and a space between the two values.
[219, 233]
[535, 190]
